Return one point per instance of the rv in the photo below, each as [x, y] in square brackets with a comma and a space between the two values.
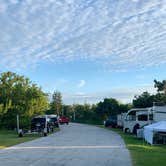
[139, 117]
[159, 113]
[120, 120]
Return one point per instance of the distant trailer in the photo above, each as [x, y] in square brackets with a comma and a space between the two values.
[120, 119]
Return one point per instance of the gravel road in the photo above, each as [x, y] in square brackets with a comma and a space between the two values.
[74, 145]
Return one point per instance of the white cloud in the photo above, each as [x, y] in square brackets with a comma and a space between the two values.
[81, 84]
[118, 34]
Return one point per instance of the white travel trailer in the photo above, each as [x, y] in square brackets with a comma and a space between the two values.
[159, 113]
[120, 119]
[143, 116]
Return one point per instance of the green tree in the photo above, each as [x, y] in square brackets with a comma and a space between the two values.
[108, 107]
[144, 100]
[56, 104]
[160, 97]
[18, 95]
[161, 86]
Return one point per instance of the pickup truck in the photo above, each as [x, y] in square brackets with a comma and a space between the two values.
[63, 120]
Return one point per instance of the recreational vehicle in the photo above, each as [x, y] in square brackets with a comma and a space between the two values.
[120, 119]
[139, 117]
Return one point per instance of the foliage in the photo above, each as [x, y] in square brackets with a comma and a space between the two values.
[56, 104]
[161, 86]
[143, 101]
[18, 95]
[111, 107]
[96, 113]
[147, 100]
[10, 137]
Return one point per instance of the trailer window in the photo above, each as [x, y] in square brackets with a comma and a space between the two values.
[131, 117]
[151, 117]
[142, 117]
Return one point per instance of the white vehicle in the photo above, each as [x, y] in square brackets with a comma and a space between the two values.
[137, 116]
[143, 116]
[159, 113]
[120, 119]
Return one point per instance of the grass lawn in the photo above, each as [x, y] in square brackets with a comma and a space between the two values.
[142, 153]
[9, 138]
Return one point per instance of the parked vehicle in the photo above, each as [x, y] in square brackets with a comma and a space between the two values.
[136, 118]
[41, 124]
[54, 120]
[111, 122]
[63, 120]
[120, 119]
[139, 117]
[159, 113]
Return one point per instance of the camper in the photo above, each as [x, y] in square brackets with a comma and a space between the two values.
[159, 113]
[136, 118]
[120, 119]
[139, 117]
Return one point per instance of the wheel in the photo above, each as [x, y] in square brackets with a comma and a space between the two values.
[67, 123]
[137, 126]
[126, 130]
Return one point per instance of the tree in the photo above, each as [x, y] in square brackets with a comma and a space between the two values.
[143, 101]
[56, 104]
[160, 97]
[161, 86]
[108, 107]
[18, 95]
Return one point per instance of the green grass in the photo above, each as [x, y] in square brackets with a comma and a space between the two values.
[142, 153]
[9, 138]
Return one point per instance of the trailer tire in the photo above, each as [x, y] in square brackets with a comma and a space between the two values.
[136, 126]
[126, 130]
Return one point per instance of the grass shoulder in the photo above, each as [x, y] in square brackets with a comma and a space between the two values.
[142, 153]
[9, 137]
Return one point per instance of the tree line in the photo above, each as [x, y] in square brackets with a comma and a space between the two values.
[97, 113]
[19, 95]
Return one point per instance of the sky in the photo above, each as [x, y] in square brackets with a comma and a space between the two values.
[86, 49]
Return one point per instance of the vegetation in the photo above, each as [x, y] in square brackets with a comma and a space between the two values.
[96, 113]
[18, 95]
[10, 137]
[56, 104]
[142, 153]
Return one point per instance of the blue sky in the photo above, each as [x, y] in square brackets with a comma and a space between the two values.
[87, 49]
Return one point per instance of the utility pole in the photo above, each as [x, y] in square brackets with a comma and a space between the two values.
[18, 127]
[74, 115]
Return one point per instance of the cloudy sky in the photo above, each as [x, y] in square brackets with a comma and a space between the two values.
[87, 49]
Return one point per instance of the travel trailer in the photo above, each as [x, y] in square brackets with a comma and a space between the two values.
[120, 119]
[139, 117]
